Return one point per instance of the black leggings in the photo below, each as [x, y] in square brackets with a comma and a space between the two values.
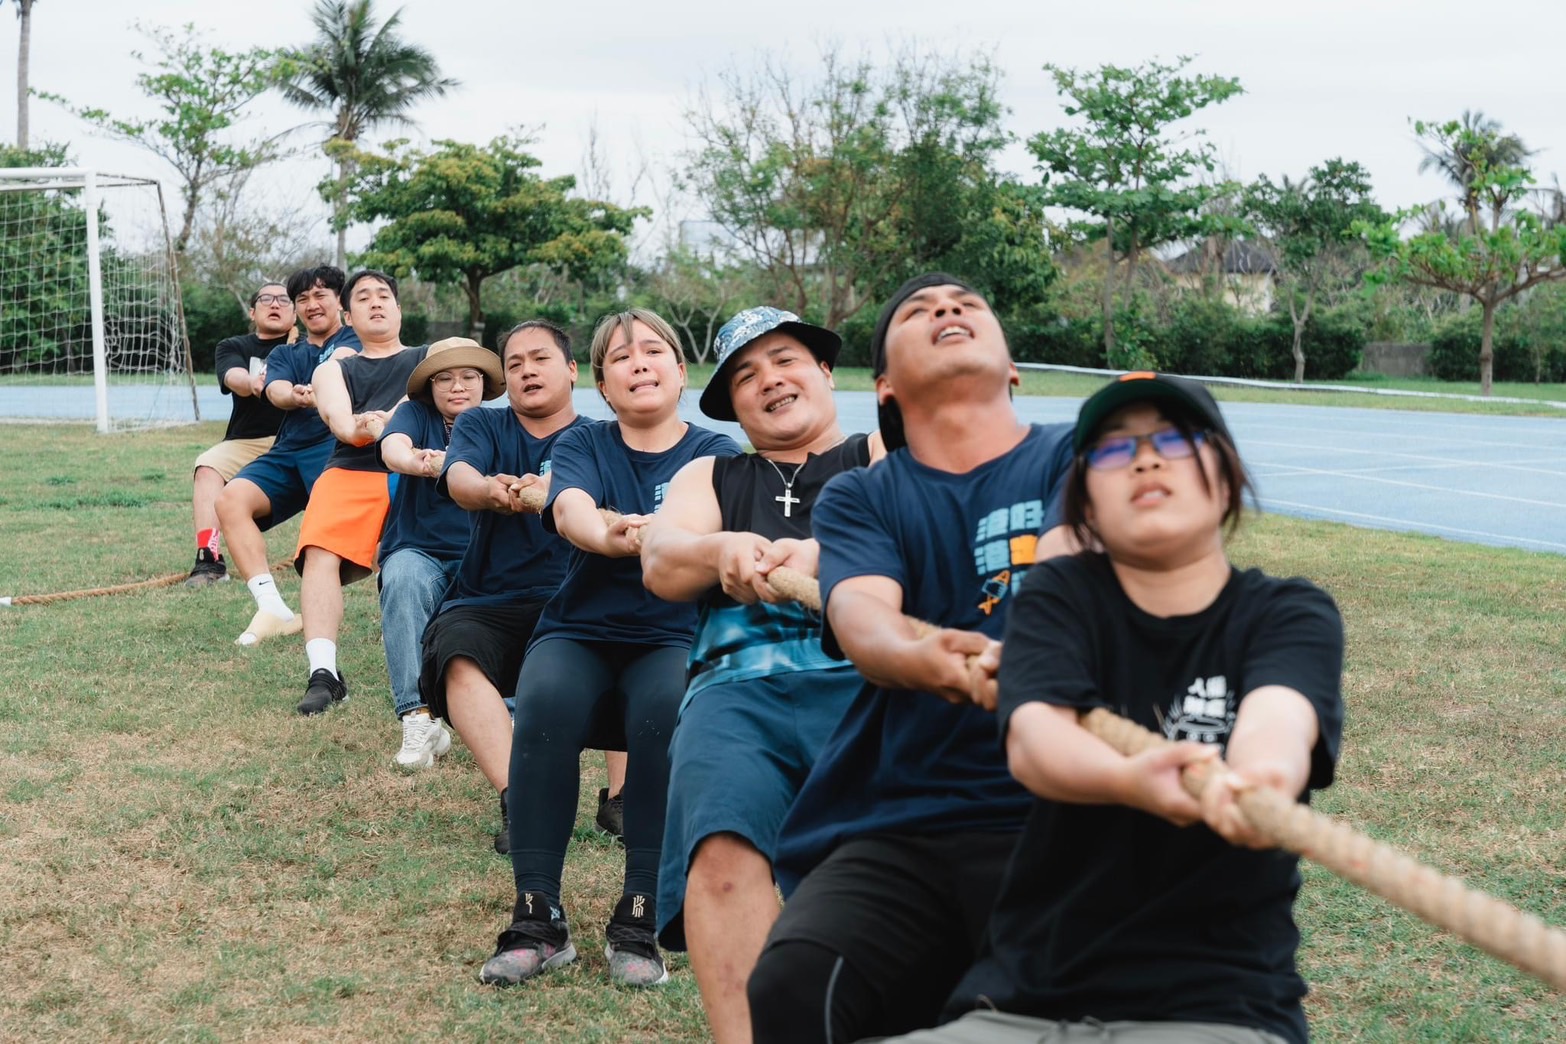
[572, 695]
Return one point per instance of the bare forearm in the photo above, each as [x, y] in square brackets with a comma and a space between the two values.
[237, 380]
[467, 488]
[1055, 758]
[1273, 735]
[679, 565]
[578, 520]
[877, 638]
[398, 454]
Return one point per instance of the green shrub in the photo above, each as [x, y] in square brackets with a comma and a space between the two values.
[211, 315]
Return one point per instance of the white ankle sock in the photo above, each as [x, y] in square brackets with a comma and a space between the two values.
[264, 590]
[322, 653]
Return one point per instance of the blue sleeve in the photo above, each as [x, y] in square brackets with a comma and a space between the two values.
[347, 337]
[573, 465]
[719, 446]
[282, 365]
[408, 419]
[1062, 457]
[854, 542]
[472, 443]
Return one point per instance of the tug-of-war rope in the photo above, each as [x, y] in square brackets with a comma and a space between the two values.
[167, 580]
[1500, 929]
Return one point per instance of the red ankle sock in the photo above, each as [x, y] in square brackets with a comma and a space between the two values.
[208, 538]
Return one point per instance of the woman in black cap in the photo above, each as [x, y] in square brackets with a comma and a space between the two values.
[1130, 911]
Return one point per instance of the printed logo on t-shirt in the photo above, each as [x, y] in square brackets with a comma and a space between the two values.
[658, 491]
[1003, 549]
[543, 469]
[1204, 713]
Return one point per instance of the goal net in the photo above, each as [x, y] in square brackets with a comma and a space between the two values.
[91, 327]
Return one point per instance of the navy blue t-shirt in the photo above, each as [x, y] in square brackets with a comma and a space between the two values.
[959, 545]
[421, 516]
[509, 557]
[295, 364]
[603, 599]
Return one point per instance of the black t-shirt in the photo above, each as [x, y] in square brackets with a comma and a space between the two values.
[254, 416]
[1112, 913]
[375, 382]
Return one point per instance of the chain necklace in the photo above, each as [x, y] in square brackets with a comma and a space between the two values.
[788, 499]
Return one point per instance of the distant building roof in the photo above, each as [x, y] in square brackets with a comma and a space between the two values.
[1241, 257]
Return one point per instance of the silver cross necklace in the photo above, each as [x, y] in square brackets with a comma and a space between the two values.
[788, 499]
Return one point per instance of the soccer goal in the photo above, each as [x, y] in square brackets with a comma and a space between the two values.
[91, 326]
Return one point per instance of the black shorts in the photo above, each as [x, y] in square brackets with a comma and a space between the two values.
[906, 912]
[492, 636]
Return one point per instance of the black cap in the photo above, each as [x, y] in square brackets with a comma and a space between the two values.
[889, 416]
[1189, 397]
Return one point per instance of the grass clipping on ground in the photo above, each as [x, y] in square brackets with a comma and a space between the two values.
[186, 858]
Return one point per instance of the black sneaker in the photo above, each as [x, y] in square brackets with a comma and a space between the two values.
[209, 569]
[503, 835]
[325, 690]
[632, 946]
[539, 939]
[611, 813]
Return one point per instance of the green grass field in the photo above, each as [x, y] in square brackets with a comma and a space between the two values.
[186, 859]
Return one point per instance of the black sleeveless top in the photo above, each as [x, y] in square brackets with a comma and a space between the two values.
[737, 642]
[373, 384]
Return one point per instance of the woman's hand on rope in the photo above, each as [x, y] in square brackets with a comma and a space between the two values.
[1151, 781]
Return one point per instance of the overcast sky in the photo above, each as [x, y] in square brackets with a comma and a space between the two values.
[1322, 78]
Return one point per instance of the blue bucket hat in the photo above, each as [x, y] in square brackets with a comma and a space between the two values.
[744, 328]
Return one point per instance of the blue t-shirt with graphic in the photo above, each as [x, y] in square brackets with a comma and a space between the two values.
[959, 546]
[421, 516]
[509, 558]
[295, 364]
[603, 599]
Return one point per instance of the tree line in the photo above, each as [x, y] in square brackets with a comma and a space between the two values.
[1127, 246]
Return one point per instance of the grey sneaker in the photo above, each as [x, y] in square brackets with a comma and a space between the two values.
[538, 939]
[632, 948]
[325, 690]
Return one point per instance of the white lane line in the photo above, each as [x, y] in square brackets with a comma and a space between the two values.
[1452, 465]
[1422, 527]
[1397, 454]
[1447, 490]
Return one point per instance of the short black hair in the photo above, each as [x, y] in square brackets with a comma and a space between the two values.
[346, 293]
[255, 295]
[329, 276]
[561, 338]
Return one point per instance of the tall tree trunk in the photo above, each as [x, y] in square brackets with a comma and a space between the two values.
[339, 205]
[475, 309]
[1109, 296]
[1300, 319]
[1487, 346]
[24, 14]
[188, 224]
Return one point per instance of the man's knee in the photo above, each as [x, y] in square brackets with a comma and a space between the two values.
[803, 991]
[723, 861]
[242, 501]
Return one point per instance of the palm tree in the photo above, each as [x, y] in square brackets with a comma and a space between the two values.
[24, 15]
[363, 75]
[1477, 147]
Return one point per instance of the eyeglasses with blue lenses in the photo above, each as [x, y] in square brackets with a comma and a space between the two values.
[1118, 452]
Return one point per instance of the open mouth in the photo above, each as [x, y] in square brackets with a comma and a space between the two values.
[953, 331]
[531, 387]
[1148, 495]
[639, 385]
[787, 400]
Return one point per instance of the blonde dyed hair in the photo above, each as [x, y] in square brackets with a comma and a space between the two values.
[617, 322]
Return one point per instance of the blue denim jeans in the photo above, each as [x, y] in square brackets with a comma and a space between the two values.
[412, 586]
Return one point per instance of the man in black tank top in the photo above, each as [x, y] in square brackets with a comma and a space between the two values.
[762, 696]
[341, 532]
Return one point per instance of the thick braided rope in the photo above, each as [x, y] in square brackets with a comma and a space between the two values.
[1496, 927]
[94, 592]
[168, 580]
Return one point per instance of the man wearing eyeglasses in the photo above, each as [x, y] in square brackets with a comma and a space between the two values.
[252, 424]
[427, 532]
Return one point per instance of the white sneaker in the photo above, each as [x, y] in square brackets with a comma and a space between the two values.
[423, 740]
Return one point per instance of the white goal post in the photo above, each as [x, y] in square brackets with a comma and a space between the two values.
[89, 286]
